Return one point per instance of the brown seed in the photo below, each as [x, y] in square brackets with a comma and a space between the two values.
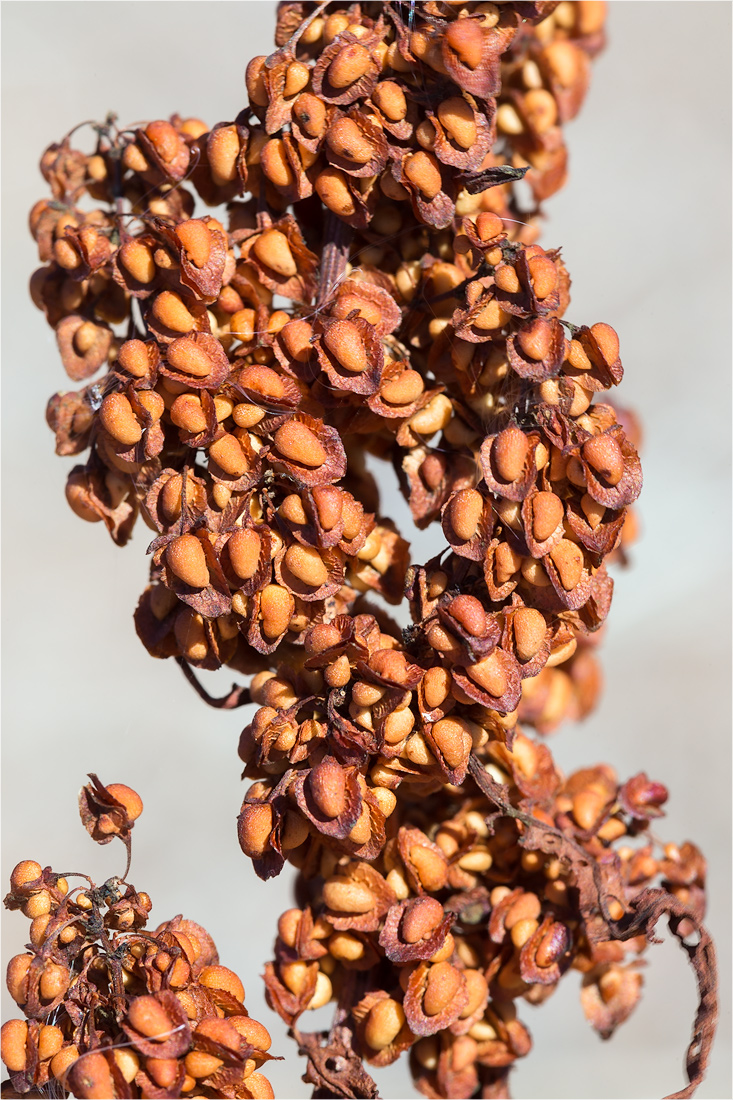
[186, 558]
[489, 225]
[544, 276]
[431, 868]
[255, 81]
[275, 163]
[568, 560]
[607, 341]
[540, 108]
[345, 343]
[443, 985]
[535, 339]
[530, 629]
[390, 99]
[348, 141]
[306, 565]
[343, 895]
[489, 674]
[296, 442]
[593, 511]
[311, 114]
[118, 419]
[436, 686]
[404, 389]
[169, 309]
[465, 511]
[384, 1023]
[223, 150]
[273, 249]
[604, 456]
[244, 552]
[28, 870]
[133, 357]
[507, 280]
[333, 191]
[264, 381]
[327, 786]
[254, 828]
[509, 452]
[553, 945]
[164, 138]
[276, 608]
[50, 1041]
[196, 238]
[420, 919]
[470, 613]
[466, 37]
[221, 977]
[187, 413]
[148, 1016]
[54, 981]
[171, 496]
[229, 456]
[16, 978]
[152, 402]
[526, 907]
[296, 336]
[422, 170]
[349, 64]
[547, 513]
[137, 258]
[453, 739]
[457, 117]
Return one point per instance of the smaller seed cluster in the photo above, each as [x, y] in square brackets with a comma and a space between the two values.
[432, 945]
[111, 1010]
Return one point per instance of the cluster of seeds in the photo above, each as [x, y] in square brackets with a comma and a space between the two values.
[430, 946]
[371, 284]
[112, 1010]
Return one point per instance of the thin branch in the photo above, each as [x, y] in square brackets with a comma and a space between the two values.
[238, 697]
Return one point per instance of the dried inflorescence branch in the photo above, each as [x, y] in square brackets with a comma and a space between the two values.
[112, 1010]
[372, 184]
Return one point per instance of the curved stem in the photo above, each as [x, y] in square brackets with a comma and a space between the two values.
[238, 697]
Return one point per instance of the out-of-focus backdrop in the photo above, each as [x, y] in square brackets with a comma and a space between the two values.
[644, 224]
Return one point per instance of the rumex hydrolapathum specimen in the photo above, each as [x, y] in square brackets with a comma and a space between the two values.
[111, 1010]
[369, 184]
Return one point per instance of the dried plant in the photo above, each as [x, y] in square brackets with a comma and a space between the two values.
[378, 183]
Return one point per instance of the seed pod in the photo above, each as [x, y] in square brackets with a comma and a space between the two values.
[334, 192]
[185, 355]
[276, 609]
[169, 310]
[350, 64]
[344, 341]
[509, 453]
[344, 895]
[465, 511]
[254, 828]
[118, 419]
[327, 786]
[306, 565]
[298, 443]
[272, 248]
[227, 453]
[244, 548]
[186, 558]
[457, 117]
[384, 1023]
[568, 560]
[422, 170]
[604, 456]
[466, 38]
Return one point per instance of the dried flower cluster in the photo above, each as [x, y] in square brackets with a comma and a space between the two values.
[114, 1011]
[371, 184]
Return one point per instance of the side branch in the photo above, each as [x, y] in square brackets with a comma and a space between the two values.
[238, 697]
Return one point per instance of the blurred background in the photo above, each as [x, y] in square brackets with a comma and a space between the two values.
[644, 224]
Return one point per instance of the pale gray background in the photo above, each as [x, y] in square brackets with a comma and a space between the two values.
[644, 225]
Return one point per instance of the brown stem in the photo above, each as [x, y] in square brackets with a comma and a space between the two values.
[335, 255]
[238, 697]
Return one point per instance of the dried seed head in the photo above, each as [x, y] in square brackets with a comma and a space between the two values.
[186, 558]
